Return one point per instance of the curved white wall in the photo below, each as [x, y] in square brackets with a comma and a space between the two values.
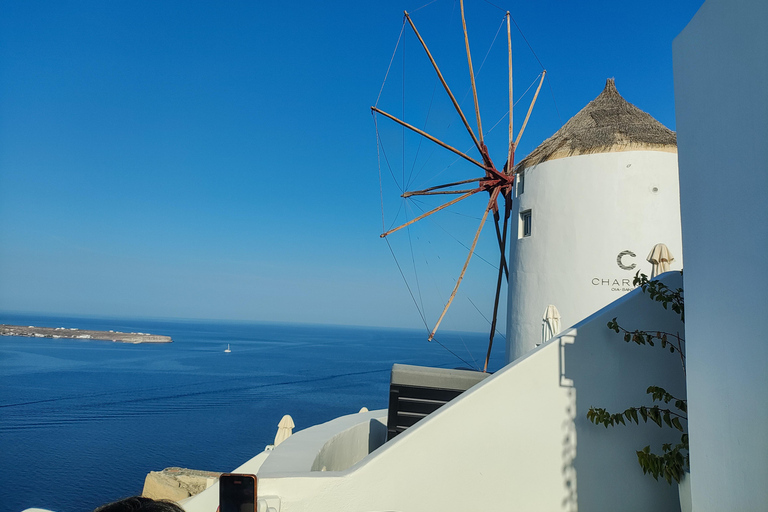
[586, 210]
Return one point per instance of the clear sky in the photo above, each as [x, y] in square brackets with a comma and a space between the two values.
[218, 160]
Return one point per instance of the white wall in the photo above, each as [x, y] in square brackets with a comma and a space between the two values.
[585, 211]
[520, 440]
[336, 444]
[721, 72]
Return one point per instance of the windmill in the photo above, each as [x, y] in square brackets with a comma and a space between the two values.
[497, 183]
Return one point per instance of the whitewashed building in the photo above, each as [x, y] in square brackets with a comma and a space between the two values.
[592, 202]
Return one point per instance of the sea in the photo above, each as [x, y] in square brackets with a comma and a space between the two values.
[83, 422]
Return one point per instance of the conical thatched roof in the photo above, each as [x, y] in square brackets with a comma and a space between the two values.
[609, 123]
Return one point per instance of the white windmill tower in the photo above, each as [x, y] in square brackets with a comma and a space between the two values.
[592, 201]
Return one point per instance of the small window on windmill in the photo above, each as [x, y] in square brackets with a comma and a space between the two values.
[525, 223]
[520, 182]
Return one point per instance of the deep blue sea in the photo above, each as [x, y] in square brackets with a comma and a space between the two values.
[83, 422]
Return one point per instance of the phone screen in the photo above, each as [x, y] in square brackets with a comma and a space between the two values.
[237, 493]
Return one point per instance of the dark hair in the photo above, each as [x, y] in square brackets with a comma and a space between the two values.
[140, 504]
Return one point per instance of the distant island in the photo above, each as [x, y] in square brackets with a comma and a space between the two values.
[78, 334]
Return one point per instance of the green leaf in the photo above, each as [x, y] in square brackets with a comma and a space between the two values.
[676, 424]
[653, 413]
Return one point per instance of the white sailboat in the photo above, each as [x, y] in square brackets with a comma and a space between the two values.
[228, 349]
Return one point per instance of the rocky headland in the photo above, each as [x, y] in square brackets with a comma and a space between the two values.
[177, 483]
[80, 334]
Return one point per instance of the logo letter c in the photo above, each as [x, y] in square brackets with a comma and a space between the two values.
[621, 265]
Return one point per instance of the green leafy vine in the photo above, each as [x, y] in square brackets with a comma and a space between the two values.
[674, 460]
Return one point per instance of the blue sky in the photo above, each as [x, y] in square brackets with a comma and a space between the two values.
[219, 160]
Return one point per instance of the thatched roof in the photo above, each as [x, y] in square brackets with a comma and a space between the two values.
[609, 123]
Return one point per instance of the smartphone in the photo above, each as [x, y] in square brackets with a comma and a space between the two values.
[237, 493]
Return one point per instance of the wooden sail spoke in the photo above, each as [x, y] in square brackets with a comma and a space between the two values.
[430, 137]
[446, 185]
[511, 151]
[492, 201]
[530, 109]
[472, 74]
[435, 210]
[445, 85]
[436, 192]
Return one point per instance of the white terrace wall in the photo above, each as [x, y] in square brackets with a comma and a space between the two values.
[595, 219]
[520, 440]
[721, 72]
